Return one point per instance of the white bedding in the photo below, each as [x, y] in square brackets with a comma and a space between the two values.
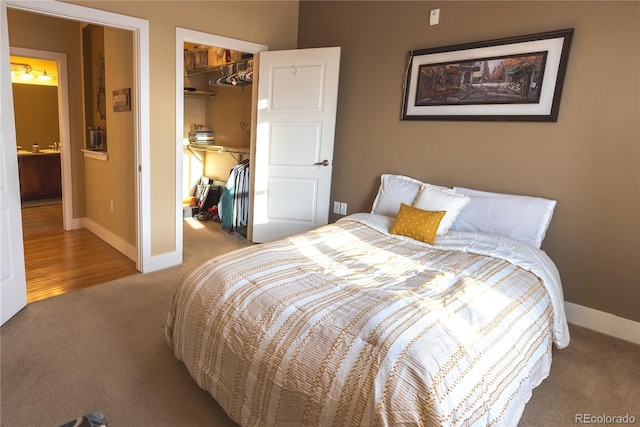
[349, 325]
[499, 246]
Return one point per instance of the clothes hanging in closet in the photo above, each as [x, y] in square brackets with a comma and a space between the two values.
[233, 208]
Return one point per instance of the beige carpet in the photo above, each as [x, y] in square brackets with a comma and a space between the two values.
[102, 349]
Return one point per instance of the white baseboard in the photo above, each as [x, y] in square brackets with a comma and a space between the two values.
[120, 245]
[162, 261]
[605, 323]
[75, 223]
[157, 262]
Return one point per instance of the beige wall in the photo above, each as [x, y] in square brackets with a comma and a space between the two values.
[32, 31]
[231, 106]
[114, 180]
[589, 161]
[36, 115]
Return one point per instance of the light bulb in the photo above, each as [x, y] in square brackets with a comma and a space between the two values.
[44, 77]
[26, 75]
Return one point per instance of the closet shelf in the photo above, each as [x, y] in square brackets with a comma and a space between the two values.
[216, 68]
[241, 152]
[199, 93]
[218, 149]
[206, 70]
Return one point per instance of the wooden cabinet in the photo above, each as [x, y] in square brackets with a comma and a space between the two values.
[40, 176]
[52, 175]
[30, 168]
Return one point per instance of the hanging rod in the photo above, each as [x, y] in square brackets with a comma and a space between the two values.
[218, 149]
[193, 92]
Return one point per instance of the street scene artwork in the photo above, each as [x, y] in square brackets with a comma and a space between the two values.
[513, 79]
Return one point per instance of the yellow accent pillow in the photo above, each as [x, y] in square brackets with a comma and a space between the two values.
[417, 223]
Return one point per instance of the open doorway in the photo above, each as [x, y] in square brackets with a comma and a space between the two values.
[55, 245]
[140, 106]
[57, 163]
[46, 178]
[214, 97]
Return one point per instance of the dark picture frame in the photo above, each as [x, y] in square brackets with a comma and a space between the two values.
[511, 79]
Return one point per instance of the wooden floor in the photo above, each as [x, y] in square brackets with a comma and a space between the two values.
[59, 261]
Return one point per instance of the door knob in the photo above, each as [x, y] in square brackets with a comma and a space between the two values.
[325, 162]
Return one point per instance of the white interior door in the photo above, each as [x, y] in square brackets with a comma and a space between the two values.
[292, 159]
[13, 284]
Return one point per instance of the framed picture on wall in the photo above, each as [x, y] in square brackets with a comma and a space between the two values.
[512, 79]
[122, 100]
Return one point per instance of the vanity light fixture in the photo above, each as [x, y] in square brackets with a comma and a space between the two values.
[44, 77]
[26, 72]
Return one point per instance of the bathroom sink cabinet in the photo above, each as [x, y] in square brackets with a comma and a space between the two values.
[40, 176]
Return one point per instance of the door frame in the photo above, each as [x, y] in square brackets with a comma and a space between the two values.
[63, 124]
[184, 35]
[141, 104]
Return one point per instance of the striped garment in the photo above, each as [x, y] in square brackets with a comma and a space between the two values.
[347, 325]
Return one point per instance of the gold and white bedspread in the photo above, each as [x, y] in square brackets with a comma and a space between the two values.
[347, 325]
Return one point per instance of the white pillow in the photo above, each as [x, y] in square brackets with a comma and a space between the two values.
[524, 218]
[395, 189]
[435, 198]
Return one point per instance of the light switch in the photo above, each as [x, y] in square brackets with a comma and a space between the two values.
[434, 17]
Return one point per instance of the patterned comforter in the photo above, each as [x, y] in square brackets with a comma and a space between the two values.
[348, 325]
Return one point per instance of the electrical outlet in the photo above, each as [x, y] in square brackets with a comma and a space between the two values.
[336, 207]
[343, 208]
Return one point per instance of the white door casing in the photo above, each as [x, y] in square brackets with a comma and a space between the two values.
[13, 283]
[297, 92]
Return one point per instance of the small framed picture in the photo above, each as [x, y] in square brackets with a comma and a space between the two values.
[122, 100]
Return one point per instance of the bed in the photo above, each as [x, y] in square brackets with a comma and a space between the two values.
[358, 323]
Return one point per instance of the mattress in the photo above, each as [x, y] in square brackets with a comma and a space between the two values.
[349, 325]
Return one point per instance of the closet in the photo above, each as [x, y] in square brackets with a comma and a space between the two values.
[216, 136]
[282, 123]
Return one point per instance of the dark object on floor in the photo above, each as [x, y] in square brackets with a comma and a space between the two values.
[94, 419]
[203, 216]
